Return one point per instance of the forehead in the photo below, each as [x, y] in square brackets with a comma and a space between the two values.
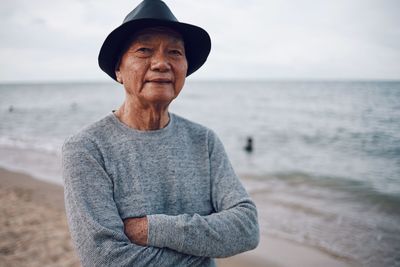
[149, 34]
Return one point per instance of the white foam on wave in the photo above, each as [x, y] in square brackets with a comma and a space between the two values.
[47, 145]
[41, 164]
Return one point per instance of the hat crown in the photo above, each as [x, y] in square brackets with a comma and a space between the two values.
[151, 9]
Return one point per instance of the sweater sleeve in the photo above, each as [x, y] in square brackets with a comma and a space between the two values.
[232, 229]
[95, 225]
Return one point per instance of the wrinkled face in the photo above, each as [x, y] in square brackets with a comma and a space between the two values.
[153, 68]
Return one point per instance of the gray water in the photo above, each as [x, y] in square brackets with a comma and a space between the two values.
[326, 162]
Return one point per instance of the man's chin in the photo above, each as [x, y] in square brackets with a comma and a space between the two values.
[159, 99]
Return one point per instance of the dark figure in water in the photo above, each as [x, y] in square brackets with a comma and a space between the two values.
[249, 145]
[10, 108]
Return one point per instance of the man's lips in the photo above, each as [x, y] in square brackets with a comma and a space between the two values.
[159, 80]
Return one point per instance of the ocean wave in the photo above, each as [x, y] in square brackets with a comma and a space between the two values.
[309, 183]
[29, 143]
[346, 218]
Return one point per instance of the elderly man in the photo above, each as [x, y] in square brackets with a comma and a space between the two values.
[145, 187]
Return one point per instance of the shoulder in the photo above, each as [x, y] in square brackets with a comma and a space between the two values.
[196, 130]
[190, 126]
[89, 136]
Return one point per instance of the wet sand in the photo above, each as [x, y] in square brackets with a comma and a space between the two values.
[34, 232]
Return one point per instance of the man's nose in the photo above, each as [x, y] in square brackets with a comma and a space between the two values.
[160, 62]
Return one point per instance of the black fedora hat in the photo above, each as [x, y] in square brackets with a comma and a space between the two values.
[153, 13]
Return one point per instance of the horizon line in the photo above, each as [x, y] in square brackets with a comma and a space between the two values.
[11, 82]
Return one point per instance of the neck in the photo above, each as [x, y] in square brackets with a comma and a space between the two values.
[143, 118]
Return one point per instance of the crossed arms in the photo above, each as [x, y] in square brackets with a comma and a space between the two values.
[103, 238]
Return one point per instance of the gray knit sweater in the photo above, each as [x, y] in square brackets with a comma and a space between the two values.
[179, 176]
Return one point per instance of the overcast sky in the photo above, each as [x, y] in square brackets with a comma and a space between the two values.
[251, 39]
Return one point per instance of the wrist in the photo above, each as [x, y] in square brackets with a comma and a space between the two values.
[136, 229]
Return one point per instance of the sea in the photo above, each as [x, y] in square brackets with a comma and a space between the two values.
[325, 165]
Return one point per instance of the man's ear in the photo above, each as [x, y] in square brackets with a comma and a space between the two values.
[119, 76]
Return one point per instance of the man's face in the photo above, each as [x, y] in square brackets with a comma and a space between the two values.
[153, 68]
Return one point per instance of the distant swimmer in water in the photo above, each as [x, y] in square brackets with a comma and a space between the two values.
[10, 108]
[249, 145]
[74, 106]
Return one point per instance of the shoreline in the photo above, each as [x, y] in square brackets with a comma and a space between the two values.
[35, 208]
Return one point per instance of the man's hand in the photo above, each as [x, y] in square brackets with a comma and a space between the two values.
[136, 230]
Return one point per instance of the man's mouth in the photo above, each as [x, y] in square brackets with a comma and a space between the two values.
[159, 80]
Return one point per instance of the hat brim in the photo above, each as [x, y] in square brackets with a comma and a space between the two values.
[197, 43]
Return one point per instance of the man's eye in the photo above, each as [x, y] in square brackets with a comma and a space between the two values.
[143, 50]
[176, 52]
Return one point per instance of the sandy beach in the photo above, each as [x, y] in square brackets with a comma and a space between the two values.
[33, 225]
[34, 232]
